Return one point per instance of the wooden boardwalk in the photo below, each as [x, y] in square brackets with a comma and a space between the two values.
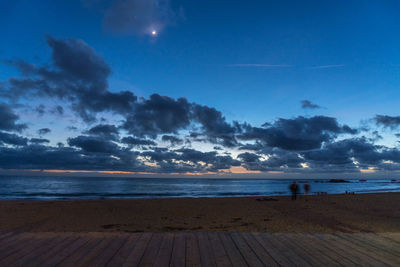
[199, 249]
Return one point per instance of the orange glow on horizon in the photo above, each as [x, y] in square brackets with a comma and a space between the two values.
[240, 170]
[369, 170]
[232, 170]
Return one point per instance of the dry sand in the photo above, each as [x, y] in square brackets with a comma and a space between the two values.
[332, 213]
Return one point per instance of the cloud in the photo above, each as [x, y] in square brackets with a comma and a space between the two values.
[189, 160]
[77, 74]
[261, 65]
[41, 109]
[93, 144]
[12, 139]
[173, 140]
[59, 110]
[43, 131]
[66, 158]
[132, 141]
[386, 121]
[129, 139]
[39, 141]
[306, 104]
[9, 119]
[353, 153]
[299, 133]
[158, 115]
[106, 131]
[327, 66]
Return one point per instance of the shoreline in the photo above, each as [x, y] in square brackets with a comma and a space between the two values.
[194, 197]
[377, 212]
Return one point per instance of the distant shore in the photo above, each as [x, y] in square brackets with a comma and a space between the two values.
[331, 213]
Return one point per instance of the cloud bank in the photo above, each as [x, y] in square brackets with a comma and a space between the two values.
[161, 134]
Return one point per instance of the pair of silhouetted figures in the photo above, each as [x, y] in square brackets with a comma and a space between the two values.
[294, 188]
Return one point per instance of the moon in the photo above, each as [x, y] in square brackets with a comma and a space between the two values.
[154, 32]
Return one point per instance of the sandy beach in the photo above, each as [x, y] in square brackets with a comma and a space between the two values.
[331, 213]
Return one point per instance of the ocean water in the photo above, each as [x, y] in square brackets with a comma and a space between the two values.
[53, 188]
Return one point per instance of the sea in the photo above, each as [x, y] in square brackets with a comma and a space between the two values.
[68, 188]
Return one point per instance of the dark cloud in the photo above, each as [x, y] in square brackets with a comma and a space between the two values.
[93, 144]
[189, 160]
[173, 140]
[106, 131]
[77, 74]
[59, 110]
[41, 109]
[391, 122]
[158, 115]
[350, 153]
[72, 128]
[66, 158]
[297, 134]
[165, 115]
[277, 160]
[132, 141]
[307, 104]
[8, 119]
[43, 131]
[39, 141]
[214, 125]
[12, 139]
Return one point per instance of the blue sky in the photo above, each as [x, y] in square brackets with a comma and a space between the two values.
[253, 62]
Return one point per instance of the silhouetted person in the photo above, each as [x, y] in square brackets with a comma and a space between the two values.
[295, 189]
[306, 190]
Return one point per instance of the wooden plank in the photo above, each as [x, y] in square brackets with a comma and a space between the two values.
[392, 236]
[248, 254]
[33, 245]
[199, 249]
[115, 244]
[122, 254]
[38, 253]
[310, 249]
[7, 235]
[65, 252]
[259, 250]
[221, 258]
[149, 255]
[272, 250]
[45, 257]
[74, 258]
[12, 244]
[137, 253]
[164, 254]
[379, 242]
[293, 256]
[192, 250]
[206, 255]
[178, 257]
[234, 254]
[376, 253]
[289, 243]
[347, 249]
[95, 252]
[326, 249]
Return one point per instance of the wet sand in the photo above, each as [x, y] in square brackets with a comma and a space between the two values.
[328, 214]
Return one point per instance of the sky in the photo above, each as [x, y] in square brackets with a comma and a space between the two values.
[179, 88]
